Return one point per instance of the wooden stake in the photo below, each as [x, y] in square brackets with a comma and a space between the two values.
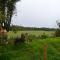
[45, 51]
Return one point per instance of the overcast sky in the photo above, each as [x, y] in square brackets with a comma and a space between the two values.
[37, 13]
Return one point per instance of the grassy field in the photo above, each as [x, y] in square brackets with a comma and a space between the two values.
[35, 50]
[18, 33]
[32, 51]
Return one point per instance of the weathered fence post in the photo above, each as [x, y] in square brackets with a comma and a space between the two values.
[45, 51]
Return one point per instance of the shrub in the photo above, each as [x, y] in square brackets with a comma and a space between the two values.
[31, 36]
[20, 40]
[44, 36]
[57, 33]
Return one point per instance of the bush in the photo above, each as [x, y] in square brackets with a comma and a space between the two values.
[44, 36]
[57, 33]
[20, 40]
[32, 36]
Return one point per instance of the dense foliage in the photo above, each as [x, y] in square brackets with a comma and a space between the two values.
[7, 8]
[57, 33]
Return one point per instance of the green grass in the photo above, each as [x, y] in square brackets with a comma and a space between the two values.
[28, 52]
[53, 50]
[18, 33]
[32, 51]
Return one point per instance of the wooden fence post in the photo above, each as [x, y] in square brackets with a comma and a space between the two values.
[45, 51]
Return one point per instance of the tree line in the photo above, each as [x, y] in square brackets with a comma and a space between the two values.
[17, 28]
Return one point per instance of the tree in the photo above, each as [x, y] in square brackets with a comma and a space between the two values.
[58, 23]
[7, 8]
[57, 33]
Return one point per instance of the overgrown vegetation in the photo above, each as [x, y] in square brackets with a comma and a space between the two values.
[34, 50]
[57, 33]
[27, 45]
